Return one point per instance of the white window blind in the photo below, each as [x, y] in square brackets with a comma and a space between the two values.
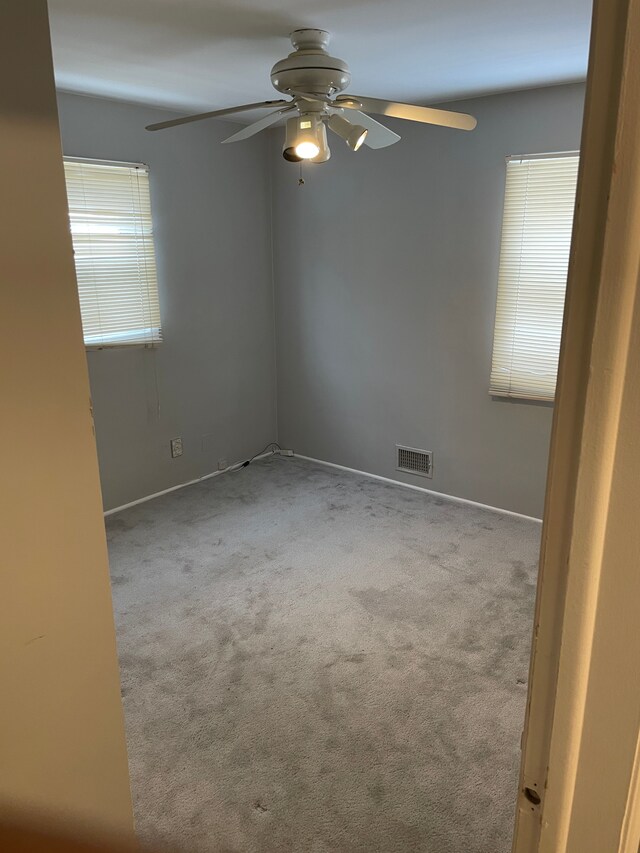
[536, 238]
[110, 213]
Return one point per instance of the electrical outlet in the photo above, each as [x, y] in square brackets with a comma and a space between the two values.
[176, 447]
[222, 464]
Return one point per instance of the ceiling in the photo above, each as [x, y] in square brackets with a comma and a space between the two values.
[206, 54]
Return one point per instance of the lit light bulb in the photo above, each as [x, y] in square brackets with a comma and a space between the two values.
[307, 150]
[360, 140]
[353, 134]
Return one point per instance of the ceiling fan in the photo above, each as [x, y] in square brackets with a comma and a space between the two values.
[313, 79]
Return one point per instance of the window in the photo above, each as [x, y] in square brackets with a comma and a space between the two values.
[110, 215]
[536, 238]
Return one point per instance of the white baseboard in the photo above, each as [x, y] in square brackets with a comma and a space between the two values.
[180, 486]
[422, 489]
[341, 468]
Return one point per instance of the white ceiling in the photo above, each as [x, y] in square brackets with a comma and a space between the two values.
[207, 54]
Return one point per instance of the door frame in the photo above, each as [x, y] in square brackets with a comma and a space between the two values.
[579, 786]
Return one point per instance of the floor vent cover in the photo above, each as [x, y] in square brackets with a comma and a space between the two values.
[414, 461]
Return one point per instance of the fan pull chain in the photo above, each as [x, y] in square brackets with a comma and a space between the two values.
[301, 179]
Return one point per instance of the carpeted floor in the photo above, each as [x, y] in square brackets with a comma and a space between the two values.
[317, 661]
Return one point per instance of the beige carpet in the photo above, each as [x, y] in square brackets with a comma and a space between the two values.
[317, 661]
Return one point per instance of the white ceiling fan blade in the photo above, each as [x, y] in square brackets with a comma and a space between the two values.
[410, 112]
[226, 112]
[378, 136]
[257, 126]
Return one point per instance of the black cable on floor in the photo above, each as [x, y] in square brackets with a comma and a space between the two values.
[272, 446]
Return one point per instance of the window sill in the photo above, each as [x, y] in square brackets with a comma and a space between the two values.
[133, 345]
[149, 338]
[530, 399]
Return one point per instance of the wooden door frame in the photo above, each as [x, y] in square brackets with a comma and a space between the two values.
[580, 773]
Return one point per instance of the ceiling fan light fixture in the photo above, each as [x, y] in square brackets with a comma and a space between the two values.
[306, 139]
[353, 134]
[307, 142]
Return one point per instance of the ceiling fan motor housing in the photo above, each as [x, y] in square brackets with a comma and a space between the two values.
[310, 68]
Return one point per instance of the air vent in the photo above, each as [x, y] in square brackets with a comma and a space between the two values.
[415, 461]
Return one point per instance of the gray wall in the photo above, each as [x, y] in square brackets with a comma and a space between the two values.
[385, 268]
[386, 265]
[214, 374]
